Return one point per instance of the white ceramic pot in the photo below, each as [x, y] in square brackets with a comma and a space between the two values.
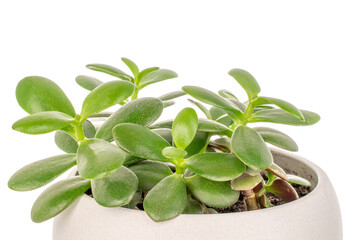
[313, 217]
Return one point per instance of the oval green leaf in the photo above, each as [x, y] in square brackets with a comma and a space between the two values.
[246, 182]
[286, 106]
[142, 111]
[282, 117]
[202, 108]
[165, 133]
[211, 193]
[250, 148]
[97, 158]
[105, 96]
[145, 72]
[38, 94]
[42, 122]
[172, 95]
[198, 143]
[184, 127]
[215, 166]
[156, 76]
[150, 173]
[298, 180]
[132, 66]
[88, 82]
[227, 94]
[167, 199]
[113, 71]
[57, 198]
[174, 153]
[277, 138]
[40, 173]
[192, 206]
[139, 141]
[66, 142]
[115, 190]
[278, 171]
[247, 82]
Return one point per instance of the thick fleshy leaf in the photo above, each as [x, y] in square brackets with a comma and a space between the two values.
[184, 127]
[150, 173]
[131, 65]
[252, 172]
[145, 72]
[40, 173]
[250, 148]
[215, 166]
[246, 182]
[172, 95]
[165, 133]
[239, 104]
[283, 190]
[227, 94]
[198, 144]
[211, 193]
[216, 112]
[139, 141]
[225, 120]
[113, 71]
[156, 76]
[278, 171]
[168, 103]
[98, 158]
[142, 111]
[38, 94]
[202, 108]
[162, 124]
[247, 81]
[89, 129]
[66, 142]
[212, 98]
[173, 153]
[134, 201]
[42, 122]
[116, 189]
[88, 82]
[58, 197]
[105, 96]
[283, 117]
[223, 142]
[192, 206]
[167, 199]
[298, 180]
[286, 106]
[277, 138]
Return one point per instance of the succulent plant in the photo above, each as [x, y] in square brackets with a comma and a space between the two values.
[187, 165]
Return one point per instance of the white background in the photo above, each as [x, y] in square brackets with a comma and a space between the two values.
[307, 52]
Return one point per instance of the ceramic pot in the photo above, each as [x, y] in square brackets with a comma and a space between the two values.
[315, 216]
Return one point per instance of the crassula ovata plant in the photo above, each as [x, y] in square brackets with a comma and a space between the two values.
[187, 165]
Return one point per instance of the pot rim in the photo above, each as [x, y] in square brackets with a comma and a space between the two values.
[320, 175]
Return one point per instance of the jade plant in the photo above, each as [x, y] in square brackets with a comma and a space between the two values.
[186, 165]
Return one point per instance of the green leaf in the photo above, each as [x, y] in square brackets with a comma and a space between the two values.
[184, 127]
[88, 82]
[139, 141]
[216, 112]
[131, 65]
[142, 111]
[298, 180]
[40, 173]
[135, 200]
[42, 122]
[165, 133]
[283, 190]
[277, 138]
[246, 182]
[286, 106]
[250, 148]
[105, 96]
[211, 193]
[116, 189]
[38, 94]
[192, 206]
[247, 82]
[264, 201]
[156, 76]
[57, 198]
[168, 103]
[113, 71]
[172, 95]
[145, 72]
[198, 143]
[167, 199]
[283, 117]
[173, 153]
[206, 125]
[227, 94]
[212, 98]
[215, 166]
[278, 171]
[89, 129]
[239, 104]
[98, 158]
[202, 108]
[66, 142]
[150, 173]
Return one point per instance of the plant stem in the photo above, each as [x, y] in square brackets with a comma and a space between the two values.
[250, 200]
[79, 132]
[135, 94]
